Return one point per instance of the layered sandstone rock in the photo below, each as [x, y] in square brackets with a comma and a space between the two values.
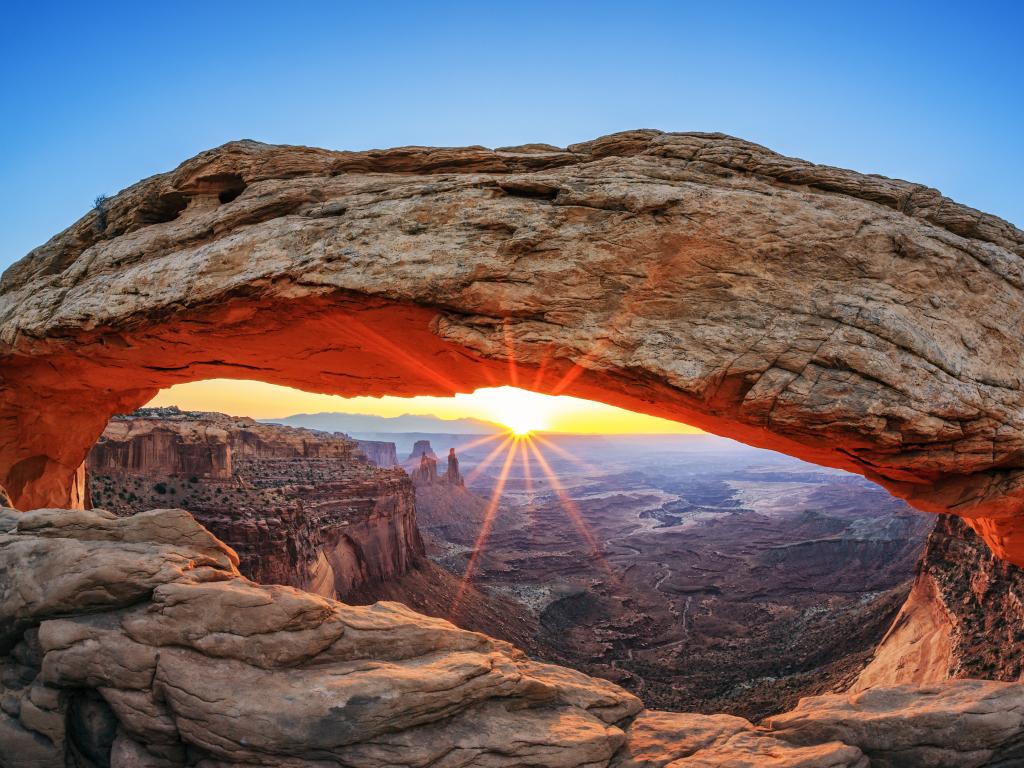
[962, 723]
[452, 476]
[301, 508]
[851, 320]
[141, 631]
[421, 449]
[381, 453]
[135, 642]
[964, 617]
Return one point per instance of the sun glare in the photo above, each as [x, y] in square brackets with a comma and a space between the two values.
[521, 411]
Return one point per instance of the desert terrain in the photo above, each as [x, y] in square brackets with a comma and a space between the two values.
[694, 571]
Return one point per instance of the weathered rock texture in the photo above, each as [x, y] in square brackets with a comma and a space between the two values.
[422, 467]
[381, 453]
[134, 641]
[851, 320]
[961, 723]
[302, 508]
[193, 662]
[964, 617]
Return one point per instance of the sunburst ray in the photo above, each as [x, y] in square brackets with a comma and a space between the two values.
[485, 528]
[567, 455]
[488, 460]
[571, 510]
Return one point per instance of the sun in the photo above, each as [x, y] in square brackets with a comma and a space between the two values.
[521, 428]
[521, 411]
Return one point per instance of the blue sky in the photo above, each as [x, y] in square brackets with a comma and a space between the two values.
[98, 95]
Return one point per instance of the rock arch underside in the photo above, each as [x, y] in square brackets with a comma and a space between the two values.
[850, 320]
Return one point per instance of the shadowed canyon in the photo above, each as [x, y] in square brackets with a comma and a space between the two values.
[200, 590]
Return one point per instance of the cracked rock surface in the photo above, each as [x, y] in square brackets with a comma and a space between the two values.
[134, 642]
[847, 319]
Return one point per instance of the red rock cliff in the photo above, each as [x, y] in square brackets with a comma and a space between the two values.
[964, 617]
[300, 507]
[381, 453]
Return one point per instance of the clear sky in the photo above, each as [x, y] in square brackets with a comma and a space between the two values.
[98, 95]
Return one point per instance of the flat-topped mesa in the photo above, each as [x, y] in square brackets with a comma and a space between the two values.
[850, 320]
[420, 448]
[167, 441]
[381, 453]
[301, 507]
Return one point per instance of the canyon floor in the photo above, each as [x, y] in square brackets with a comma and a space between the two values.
[698, 573]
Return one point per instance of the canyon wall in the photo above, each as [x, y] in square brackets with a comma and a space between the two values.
[300, 507]
[964, 617]
[381, 453]
[851, 320]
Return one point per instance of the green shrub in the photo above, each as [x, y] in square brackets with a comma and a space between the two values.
[100, 206]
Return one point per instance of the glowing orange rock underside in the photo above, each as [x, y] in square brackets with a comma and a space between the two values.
[56, 403]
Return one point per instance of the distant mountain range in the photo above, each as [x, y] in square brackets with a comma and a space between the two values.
[362, 423]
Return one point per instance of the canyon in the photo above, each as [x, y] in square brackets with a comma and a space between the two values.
[701, 575]
[300, 508]
[852, 321]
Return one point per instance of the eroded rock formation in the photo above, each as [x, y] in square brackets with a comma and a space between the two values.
[452, 476]
[851, 320]
[422, 467]
[381, 453]
[964, 617]
[302, 508]
[135, 642]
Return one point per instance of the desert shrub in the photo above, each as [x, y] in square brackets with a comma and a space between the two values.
[160, 488]
[100, 206]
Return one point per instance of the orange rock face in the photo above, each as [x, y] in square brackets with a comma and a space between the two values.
[850, 320]
[964, 617]
[300, 508]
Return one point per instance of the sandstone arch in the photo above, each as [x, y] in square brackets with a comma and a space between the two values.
[850, 320]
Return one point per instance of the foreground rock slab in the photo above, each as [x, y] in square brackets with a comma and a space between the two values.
[134, 642]
[848, 319]
[193, 662]
[961, 723]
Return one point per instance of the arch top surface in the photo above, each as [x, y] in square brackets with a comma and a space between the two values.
[850, 320]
